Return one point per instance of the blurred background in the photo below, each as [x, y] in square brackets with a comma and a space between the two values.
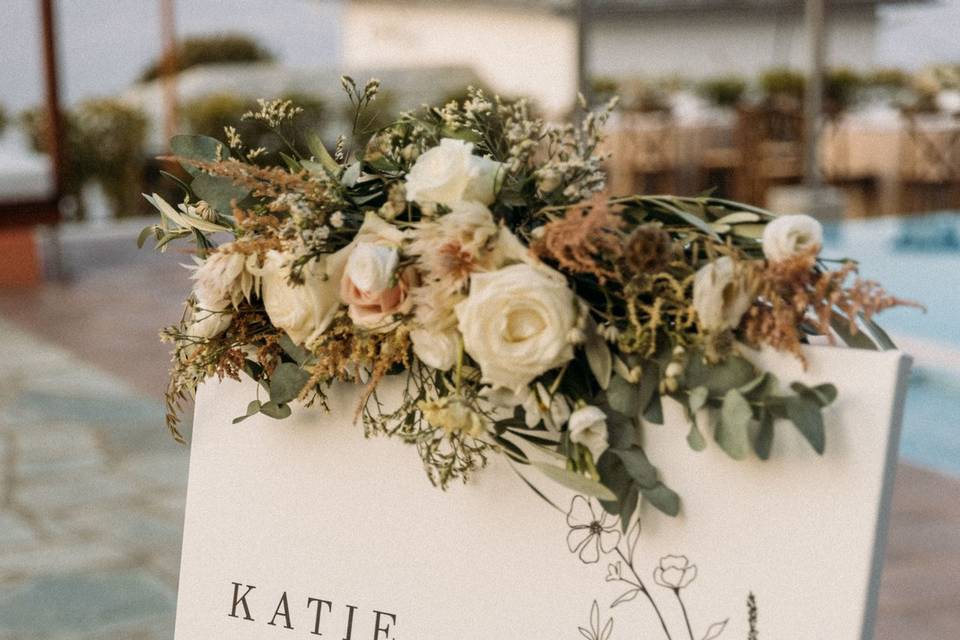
[848, 109]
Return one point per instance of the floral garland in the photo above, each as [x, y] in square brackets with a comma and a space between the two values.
[466, 249]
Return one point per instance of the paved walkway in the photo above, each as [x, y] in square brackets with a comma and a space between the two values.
[92, 488]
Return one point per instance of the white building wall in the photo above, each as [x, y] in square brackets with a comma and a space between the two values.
[714, 43]
[514, 51]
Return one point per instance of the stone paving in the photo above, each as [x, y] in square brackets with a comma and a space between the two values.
[91, 501]
[92, 487]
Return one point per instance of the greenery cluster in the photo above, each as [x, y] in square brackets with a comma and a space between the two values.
[224, 48]
[104, 142]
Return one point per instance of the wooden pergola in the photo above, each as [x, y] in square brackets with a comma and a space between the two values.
[44, 210]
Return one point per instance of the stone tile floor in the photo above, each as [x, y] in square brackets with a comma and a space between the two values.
[92, 488]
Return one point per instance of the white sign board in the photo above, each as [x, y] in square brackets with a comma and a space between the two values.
[303, 528]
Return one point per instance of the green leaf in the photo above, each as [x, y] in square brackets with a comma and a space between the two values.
[287, 382]
[732, 433]
[697, 398]
[623, 396]
[822, 394]
[731, 373]
[805, 414]
[637, 465]
[654, 412]
[859, 340]
[649, 383]
[276, 411]
[252, 409]
[599, 359]
[292, 163]
[883, 339]
[292, 349]
[663, 498]
[576, 482]
[763, 438]
[319, 151]
[142, 238]
[218, 191]
[195, 147]
[695, 439]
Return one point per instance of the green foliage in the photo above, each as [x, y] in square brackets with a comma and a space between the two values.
[222, 48]
[104, 143]
[782, 82]
[4, 119]
[723, 91]
[843, 88]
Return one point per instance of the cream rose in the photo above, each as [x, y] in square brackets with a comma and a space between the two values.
[450, 173]
[515, 323]
[209, 320]
[437, 349]
[789, 236]
[303, 311]
[588, 426]
[720, 295]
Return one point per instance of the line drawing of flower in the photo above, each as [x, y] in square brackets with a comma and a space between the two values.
[590, 535]
[675, 572]
[595, 632]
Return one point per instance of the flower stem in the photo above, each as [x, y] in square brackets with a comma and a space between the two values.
[643, 590]
[683, 608]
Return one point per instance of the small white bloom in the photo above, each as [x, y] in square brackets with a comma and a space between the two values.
[437, 349]
[225, 277]
[450, 173]
[720, 295]
[515, 323]
[371, 266]
[789, 236]
[454, 416]
[588, 426]
[336, 220]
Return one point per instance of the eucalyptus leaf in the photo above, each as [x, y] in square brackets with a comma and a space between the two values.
[637, 465]
[732, 433]
[252, 409]
[319, 151]
[663, 498]
[292, 349]
[649, 383]
[218, 192]
[576, 482]
[599, 358]
[697, 398]
[197, 147]
[695, 439]
[276, 411]
[287, 382]
[623, 396]
[855, 340]
[654, 412]
[731, 373]
[805, 414]
[763, 438]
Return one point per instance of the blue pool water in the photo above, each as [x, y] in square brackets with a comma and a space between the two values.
[918, 258]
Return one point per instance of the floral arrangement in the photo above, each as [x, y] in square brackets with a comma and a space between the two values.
[469, 250]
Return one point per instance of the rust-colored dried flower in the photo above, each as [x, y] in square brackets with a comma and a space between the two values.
[649, 249]
[586, 239]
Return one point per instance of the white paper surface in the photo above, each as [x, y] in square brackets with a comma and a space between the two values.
[309, 508]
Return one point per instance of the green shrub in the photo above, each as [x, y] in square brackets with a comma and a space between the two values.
[211, 114]
[104, 143]
[782, 83]
[842, 88]
[724, 91]
[224, 48]
[887, 80]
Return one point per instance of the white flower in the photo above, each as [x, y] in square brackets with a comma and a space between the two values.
[371, 266]
[515, 323]
[303, 311]
[336, 220]
[720, 295]
[225, 277]
[453, 415]
[588, 426]
[437, 349]
[209, 320]
[789, 236]
[450, 173]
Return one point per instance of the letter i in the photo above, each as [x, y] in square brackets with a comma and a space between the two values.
[349, 635]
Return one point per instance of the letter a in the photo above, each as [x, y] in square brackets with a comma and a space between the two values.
[286, 612]
[241, 600]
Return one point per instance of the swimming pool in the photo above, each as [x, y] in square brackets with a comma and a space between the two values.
[917, 258]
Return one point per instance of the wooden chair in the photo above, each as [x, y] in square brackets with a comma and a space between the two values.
[929, 177]
[770, 140]
[863, 187]
[647, 152]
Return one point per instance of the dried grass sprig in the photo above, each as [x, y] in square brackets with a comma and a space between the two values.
[586, 239]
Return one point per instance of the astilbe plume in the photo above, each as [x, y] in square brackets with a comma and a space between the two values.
[586, 239]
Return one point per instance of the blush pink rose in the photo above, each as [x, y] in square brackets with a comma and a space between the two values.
[376, 310]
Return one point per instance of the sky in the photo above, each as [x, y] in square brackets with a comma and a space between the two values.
[105, 44]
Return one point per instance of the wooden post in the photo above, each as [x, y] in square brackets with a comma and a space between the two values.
[55, 129]
[582, 21]
[813, 96]
[168, 29]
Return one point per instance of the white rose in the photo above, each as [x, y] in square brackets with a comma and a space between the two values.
[437, 349]
[209, 320]
[720, 295]
[303, 311]
[371, 266]
[450, 173]
[515, 323]
[588, 426]
[789, 236]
